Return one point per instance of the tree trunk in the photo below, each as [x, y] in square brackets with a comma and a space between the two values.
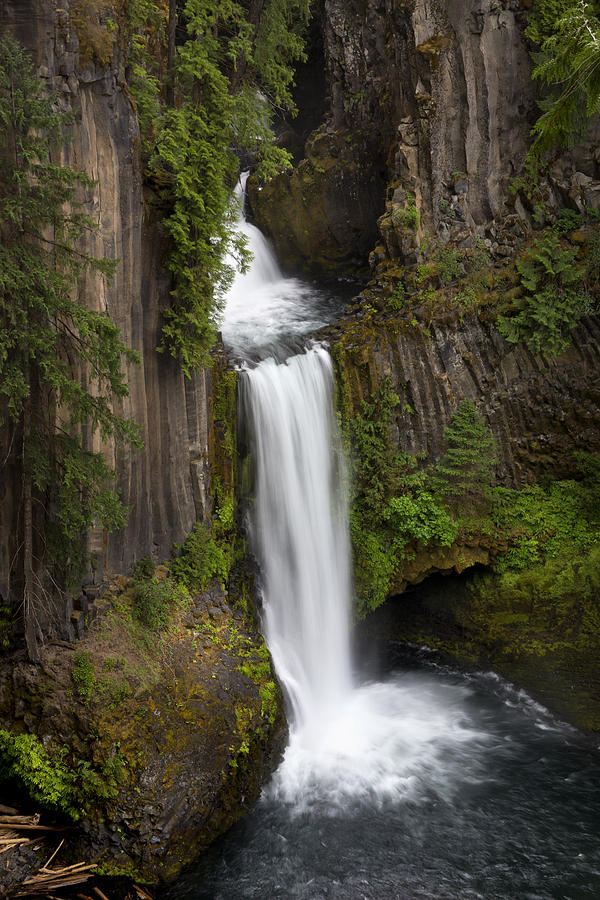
[29, 610]
[171, 53]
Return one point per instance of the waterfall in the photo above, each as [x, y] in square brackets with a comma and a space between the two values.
[264, 269]
[263, 306]
[300, 533]
[349, 742]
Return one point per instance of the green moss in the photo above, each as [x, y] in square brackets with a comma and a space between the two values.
[83, 675]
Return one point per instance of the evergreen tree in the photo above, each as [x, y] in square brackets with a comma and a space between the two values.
[568, 64]
[465, 471]
[50, 343]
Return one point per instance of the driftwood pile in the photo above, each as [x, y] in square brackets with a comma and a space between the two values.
[18, 831]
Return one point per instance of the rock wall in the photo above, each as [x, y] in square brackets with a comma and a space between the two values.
[430, 107]
[166, 486]
[541, 410]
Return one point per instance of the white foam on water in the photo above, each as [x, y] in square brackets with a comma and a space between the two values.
[382, 742]
[263, 305]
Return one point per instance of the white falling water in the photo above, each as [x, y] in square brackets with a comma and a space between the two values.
[348, 742]
[262, 305]
[300, 531]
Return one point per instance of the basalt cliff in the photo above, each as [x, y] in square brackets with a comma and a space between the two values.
[414, 121]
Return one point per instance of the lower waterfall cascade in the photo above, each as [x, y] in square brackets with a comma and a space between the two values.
[427, 782]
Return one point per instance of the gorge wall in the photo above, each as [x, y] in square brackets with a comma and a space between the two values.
[430, 105]
[540, 409]
[166, 485]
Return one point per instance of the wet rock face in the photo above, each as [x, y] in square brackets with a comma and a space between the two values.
[430, 108]
[322, 219]
[540, 410]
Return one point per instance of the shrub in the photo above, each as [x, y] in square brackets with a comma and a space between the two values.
[201, 559]
[153, 601]
[567, 220]
[420, 518]
[450, 265]
[554, 298]
[25, 760]
[374, 565]
[410, 216]
[83, 675]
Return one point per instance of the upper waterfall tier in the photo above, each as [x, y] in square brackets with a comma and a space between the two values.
[264, 307]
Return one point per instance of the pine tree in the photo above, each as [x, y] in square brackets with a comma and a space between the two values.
[47, 339]
[569, 64]
[465, 471]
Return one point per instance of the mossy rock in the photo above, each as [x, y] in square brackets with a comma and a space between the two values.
[184, 712]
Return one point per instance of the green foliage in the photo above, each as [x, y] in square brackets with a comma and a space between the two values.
[259, 671]
[147, 24]
[374, 458]
[83, 675]
[143, 569]
[6, 626]
[421, 518]
[232, 70]
[567, 220]
[410, 216]
[49, 782]
[546, 521]
[549, 581]
[374, 564]
[569, 64]
[53, 778]
[154, 600]
[450, 265]
[464, 473]
[553, 301]
[398, 297]
[47, 337]
[392, 505]
[201, 559]
[96, 30]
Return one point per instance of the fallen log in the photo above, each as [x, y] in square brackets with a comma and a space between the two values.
[19, 820]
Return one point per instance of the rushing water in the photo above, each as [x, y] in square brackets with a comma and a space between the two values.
[427, 782]
[300, 534]
[498, 801]
[263, 306]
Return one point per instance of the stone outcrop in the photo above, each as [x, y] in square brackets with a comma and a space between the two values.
[430, 108]
[540, 410]
[172, 735]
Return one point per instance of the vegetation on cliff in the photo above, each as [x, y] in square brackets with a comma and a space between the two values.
[568, 64]
[61, 363]
[229, 68]
[401, 506]
[410, 517]
[533, 615]
[164, 685]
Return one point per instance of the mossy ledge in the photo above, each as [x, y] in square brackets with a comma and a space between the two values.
[546, 647]
[162, 738]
